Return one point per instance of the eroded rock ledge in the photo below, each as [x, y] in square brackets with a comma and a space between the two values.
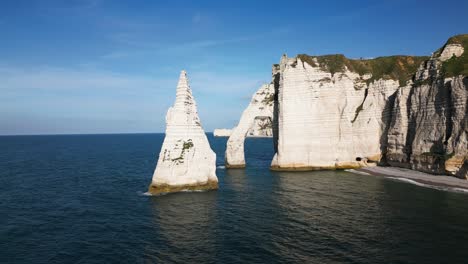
[165, 188]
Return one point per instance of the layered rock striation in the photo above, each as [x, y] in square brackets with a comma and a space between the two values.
[256, 121]
[262, 126]
[429, 127]
[186, 161]
[408, 111]
[333, 112]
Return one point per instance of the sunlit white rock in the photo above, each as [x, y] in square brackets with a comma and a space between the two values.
[451, 50]
[186, 161]
[256, 120]
[329, 121]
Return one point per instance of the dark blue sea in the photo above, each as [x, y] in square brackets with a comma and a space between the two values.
[79, 199]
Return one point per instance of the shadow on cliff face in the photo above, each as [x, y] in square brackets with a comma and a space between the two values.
[443, 108]
[411, 130]
[447, 109]
[429, 106]
[276, 80]
[387, 116]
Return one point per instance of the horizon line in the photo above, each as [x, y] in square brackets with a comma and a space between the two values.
[89, 134]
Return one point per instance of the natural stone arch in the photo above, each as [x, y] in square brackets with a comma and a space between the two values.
[256, 120]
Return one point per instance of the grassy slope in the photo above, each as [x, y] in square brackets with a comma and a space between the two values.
[457, 65]
[401, 68]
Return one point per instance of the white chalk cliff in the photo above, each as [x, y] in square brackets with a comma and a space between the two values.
[408, 111]
[261, 127]
[186, 161]
[256, 121]
[429, 128]
[333, 112]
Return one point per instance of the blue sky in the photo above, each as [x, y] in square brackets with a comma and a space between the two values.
[102, 66]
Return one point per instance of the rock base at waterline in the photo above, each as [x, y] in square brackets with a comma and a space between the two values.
[165, 188]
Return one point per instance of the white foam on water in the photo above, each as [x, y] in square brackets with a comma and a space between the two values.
[410, 181]
[187, 190]
[140, 193]
[221, 167]
[460, 190]
[357, 172]
[440, 188]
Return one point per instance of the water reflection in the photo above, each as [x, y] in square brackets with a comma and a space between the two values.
[184, 222]
[328, 214]
[236, 179]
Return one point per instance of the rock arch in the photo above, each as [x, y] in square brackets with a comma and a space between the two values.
[256, 121]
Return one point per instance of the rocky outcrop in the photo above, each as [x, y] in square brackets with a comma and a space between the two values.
[453, 49]
[222, 132]
[429, 127]
[333, 112]
[256, 120]
[262, 126]
[186, 161]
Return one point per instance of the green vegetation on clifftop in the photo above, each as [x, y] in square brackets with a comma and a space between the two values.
[401, 68]
[456, 65]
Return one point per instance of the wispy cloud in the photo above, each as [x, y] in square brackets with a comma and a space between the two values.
[54, 78]
[116, 55]
[146, 45]
[79, 5]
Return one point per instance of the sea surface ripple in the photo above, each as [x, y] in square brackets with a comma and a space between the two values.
[79, 199]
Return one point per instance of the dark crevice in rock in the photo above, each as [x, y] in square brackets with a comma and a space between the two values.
[411, 130]
[449, 109]
[387, 117]
[276, 81]
[360, 107]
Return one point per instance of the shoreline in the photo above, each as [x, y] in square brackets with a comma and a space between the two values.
[439, 182]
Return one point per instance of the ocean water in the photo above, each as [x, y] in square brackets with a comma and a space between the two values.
[79, 199]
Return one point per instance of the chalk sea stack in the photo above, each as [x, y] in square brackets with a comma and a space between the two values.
[186, 161]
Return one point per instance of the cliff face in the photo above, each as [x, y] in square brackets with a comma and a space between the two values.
[333, 112]
[186, 161]
[256, 120]
[261, 127]
[429, 126]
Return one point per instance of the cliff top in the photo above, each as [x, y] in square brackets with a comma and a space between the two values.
[397, 67]
[459, 39]
[456, 65]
